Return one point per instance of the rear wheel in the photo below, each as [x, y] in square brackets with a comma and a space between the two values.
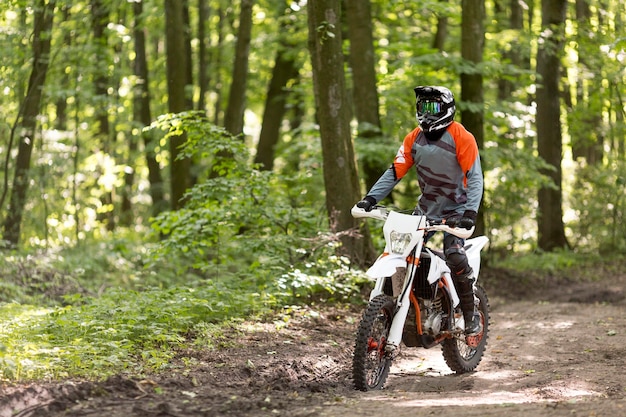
[463, 354]
[370, 363]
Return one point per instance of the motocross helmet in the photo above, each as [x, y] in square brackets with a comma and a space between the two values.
[435, 108]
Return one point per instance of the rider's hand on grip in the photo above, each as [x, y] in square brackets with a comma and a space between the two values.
[366, 204]
[468, 220]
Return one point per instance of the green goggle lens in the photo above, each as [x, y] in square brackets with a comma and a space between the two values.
[430, 107]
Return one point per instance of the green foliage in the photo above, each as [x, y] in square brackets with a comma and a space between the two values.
[598, 200]
[559, 260]
[241, 229]
[121, 330]
[112, 313]
[563, 265]
[339, 283]
[510, 194]
[46, 277]
[243, 220]
[513, 175]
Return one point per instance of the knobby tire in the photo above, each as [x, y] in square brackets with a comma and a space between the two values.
[370, 363]
[459, 356]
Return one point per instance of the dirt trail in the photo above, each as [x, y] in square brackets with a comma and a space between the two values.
[557, 354]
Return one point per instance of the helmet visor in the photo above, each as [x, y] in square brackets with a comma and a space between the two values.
[429, 107]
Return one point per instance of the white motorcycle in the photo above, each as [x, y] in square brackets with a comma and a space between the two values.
[414, 300]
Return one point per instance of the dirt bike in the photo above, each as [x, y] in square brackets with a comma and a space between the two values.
[414, 300]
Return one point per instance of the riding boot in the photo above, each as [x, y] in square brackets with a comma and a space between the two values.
[465, 285]
[462, 272]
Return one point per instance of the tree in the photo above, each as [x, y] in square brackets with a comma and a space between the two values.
[551, 233]
[472, 41]
[587, 143]
[339, 165]
[100, 19]
[442, 30]
[363, 66]
[177, 99]
[142, 114]
[233, 119]
[43, 21]
[103, 103]
[203, 53]
[285, 69]
[513, 52]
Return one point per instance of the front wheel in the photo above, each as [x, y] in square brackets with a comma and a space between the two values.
[370, 363]
[464, 354]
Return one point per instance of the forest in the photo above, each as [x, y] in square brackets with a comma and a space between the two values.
[170, 166]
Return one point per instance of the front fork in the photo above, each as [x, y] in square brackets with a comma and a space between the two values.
[403, 303]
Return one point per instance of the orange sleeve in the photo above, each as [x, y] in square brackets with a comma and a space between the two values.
[466, 147]
[404, 159]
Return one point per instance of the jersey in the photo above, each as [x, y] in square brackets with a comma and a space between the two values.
[448, 171]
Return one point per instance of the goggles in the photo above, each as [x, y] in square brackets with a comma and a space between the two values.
[429, 107]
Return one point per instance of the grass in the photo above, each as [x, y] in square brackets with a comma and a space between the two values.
[97, 310]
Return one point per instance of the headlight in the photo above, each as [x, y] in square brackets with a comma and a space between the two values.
[399, 242]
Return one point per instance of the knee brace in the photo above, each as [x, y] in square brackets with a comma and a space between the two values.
[456, 259]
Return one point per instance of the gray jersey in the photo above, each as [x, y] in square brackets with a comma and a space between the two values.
[448, 171]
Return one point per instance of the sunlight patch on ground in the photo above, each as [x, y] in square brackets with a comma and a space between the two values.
[435, 386]
[424, 362]
[475, 398]
[559, 325]
[471, 398]
[500, 376]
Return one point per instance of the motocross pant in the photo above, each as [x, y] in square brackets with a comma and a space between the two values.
[461, 272]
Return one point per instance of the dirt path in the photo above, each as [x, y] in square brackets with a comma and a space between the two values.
[560, 357]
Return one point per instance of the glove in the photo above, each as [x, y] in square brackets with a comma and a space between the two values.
[367, 203]
[468, 220]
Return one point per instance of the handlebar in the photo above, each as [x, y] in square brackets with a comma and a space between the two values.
[381, 213]
[461, 232]
[377, 212]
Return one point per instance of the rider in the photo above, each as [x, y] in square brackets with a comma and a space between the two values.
[448, 167]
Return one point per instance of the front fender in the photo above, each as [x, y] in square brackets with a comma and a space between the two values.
[385, 266]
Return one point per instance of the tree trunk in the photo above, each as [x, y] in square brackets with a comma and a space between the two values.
[61, 102]
[100, 19]
[217, 58]
[141, 111]
[233, 119]
[441, 34]
[551, 233]
[587, 143]
[363, 66]
[515, 52]
[177, 101]
[285, 69]
[188, 56]
[43, 15]
[472, 44]
[339, 165]
[203, 53]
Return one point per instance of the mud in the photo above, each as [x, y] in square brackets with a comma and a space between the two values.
[552, 351]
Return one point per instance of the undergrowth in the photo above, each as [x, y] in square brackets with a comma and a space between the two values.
[98, 310]
[575, 265]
